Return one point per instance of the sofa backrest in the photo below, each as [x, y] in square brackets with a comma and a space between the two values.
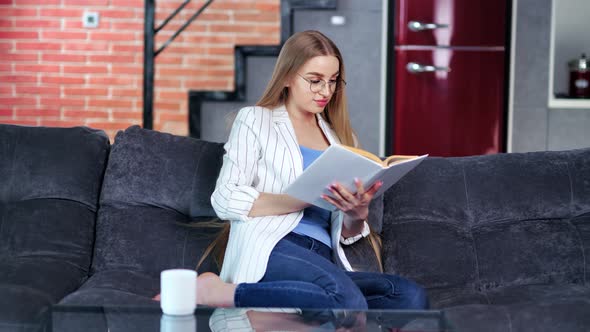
[50, 181]
[489, 221]
[155, 187]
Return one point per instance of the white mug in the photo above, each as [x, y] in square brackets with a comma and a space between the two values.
[178, 291]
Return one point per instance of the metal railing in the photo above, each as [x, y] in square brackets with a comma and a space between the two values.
[150, 53]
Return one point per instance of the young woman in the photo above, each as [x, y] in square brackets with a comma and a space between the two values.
[282, 252]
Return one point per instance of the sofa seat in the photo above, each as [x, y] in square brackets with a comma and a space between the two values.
[112, 289]
[563, 307]
[544, 314]
[507, 295]
[115, 287]
[28, 307]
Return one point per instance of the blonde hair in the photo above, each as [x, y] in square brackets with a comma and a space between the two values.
[296, 51]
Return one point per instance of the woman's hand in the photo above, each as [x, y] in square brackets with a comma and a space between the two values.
[355, 206]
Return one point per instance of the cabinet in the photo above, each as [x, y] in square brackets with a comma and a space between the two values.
[450, 86]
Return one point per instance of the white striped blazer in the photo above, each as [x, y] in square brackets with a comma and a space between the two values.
[262, 155]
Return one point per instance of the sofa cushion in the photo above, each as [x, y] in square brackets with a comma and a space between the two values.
[155, 186]
[151, 168]
[52, 163]
[491, 221]
[51, 179]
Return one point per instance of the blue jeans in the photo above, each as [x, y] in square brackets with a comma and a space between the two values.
[300, 274]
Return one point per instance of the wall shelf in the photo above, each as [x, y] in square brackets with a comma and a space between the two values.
[568, 41]
[569, 103]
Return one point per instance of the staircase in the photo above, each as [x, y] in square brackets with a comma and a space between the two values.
[359, 40]
[211, 113]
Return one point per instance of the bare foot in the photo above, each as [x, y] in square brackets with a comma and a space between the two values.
[214, 292]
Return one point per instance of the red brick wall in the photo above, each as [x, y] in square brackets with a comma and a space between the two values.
[54, 72]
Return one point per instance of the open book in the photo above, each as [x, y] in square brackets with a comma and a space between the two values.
[340, 163]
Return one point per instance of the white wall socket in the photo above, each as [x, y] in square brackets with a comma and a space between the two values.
[338, 20]
[90, 19]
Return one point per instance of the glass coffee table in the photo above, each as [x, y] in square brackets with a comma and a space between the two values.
[65, 318]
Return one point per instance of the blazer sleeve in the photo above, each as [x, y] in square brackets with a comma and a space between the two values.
[234, 193]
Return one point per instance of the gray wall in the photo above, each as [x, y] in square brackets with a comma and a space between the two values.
[535, 126]
[359, 41]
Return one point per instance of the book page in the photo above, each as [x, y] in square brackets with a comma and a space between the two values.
[396, 158]
[365, 154]
[336, 164]
[395, 172]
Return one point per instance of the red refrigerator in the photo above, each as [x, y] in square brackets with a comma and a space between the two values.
[450, 77]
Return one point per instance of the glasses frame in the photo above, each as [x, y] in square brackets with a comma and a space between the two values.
[324, 83]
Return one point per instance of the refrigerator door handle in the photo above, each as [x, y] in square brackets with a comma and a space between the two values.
[419, 26]
[415, 68]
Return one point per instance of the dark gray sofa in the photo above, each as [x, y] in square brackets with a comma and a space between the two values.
[499, 241]
[50, 180]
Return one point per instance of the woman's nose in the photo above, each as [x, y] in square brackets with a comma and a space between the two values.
[325, 90]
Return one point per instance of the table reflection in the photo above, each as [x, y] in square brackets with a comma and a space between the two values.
[185, 323]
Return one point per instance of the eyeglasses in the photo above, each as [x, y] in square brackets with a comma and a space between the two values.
[317, 85]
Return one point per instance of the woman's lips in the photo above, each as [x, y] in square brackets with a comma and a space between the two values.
[321, 102]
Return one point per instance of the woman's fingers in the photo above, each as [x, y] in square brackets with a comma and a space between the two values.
[343, 194]
[366, 196]
[345, 200]
[360, 188]
[373, 190]
[333, 202]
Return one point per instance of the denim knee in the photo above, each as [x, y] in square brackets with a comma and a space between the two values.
[417, 298]
[349, 298]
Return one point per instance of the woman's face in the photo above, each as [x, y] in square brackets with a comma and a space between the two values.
[320, 71]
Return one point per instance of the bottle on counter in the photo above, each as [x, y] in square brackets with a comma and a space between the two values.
[579, 86]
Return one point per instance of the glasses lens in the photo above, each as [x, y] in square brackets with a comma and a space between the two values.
[315, 86]
[333, 86]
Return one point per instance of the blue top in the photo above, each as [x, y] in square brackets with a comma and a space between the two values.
[316, 221]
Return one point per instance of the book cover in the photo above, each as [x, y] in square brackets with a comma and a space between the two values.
[342, 164]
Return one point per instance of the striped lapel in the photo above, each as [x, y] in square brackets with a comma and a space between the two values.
[286, 137]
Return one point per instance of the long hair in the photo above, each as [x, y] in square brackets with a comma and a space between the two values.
[296, 51]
